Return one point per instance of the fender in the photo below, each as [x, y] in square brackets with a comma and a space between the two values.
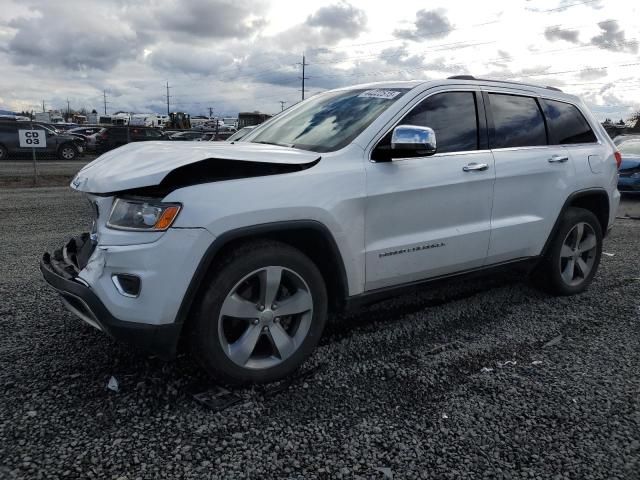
[251, 231]
[573, 197]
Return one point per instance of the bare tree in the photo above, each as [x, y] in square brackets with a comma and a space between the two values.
[635, 118]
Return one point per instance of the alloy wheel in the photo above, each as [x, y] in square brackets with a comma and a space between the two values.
[265, 317]
[578, 254]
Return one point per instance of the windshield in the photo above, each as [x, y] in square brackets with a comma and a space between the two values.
[630, 147]
[329, 121]
[48, 128]
[239, 134]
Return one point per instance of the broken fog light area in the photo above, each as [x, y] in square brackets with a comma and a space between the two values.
[126, 284]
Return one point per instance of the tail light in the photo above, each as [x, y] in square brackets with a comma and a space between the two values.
[618, 158]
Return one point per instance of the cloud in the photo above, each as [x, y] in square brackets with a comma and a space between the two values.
[613, 38]
[342, 18]
[83, 36]
[326, 26]
[428, 24]
[592, 74]
[189, 59]
[556, 33]
[198, 19]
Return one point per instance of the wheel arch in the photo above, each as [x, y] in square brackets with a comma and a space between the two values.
[309, 236]
[66, 143]
[596, 200]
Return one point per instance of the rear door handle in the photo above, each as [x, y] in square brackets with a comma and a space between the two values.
[474, 167]
[558, 159]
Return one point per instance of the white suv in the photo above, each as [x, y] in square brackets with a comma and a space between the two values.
[243, 248]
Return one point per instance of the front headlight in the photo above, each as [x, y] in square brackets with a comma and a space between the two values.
[142, 215]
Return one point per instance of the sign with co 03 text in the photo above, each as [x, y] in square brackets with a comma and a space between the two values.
[32, 138]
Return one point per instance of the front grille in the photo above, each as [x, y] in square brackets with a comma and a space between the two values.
[74, 256]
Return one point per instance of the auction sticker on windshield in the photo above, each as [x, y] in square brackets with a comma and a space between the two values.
[379, 93]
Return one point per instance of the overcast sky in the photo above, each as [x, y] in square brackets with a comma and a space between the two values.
[236, 55]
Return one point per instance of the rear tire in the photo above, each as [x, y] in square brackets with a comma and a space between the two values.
[4, 154]
[261, 314]
[573, 256]
[67, 152]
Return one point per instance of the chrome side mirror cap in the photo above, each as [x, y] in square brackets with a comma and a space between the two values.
[413, 141]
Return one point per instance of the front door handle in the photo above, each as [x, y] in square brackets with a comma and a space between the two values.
[558, 159]
[474, 167]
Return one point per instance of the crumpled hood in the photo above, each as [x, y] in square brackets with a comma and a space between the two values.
[145, 164]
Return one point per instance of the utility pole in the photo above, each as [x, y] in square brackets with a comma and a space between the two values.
[43, 110]
[303, 78]
[282, 102]
[104, 96]
[168, 98]
[210, 112]
[68, 110]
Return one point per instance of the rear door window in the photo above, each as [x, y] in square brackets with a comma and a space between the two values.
[518, 121]
[566, 123]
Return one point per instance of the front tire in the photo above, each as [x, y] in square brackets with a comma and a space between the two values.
[67, 152]
[261, 315]
[574, 254]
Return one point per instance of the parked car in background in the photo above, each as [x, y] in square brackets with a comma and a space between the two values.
[113, 137]
[67, 147]
[91, 140]
[350, 196]
[206, 137]
[240, 134]
[624, 137]
[185, 136]
[85, 131]
[65, 126]
[629, 173]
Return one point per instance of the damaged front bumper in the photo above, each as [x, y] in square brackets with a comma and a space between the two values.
[61, 270]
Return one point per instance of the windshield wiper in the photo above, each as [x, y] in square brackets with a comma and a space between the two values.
[275, 143]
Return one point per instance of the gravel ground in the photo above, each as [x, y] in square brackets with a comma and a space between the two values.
[24, 168]
[51, 173]
[630, 206]
[455, 382]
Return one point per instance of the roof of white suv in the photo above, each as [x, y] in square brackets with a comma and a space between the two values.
[469, 80]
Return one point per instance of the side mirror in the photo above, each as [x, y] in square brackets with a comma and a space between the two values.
[412, 141]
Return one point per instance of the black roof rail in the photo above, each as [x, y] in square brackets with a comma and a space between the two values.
[471, 77]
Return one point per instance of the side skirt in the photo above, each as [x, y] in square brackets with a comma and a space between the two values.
[524, 265]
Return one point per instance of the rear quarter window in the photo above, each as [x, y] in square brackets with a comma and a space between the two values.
[518, 121]
[566, 123]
